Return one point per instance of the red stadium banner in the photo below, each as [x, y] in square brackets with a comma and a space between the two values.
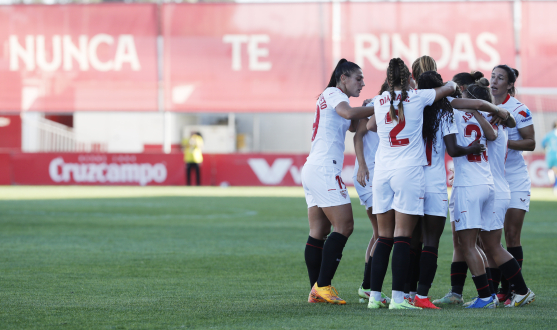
[96, 169]
[66, 58]
[538, 44]
[245, 57]
[278, 57]
[169, 169]
[460, 36]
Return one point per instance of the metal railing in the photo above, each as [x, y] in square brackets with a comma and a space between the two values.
[54, 137]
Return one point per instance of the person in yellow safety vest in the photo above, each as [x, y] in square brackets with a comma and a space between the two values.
[192, 156]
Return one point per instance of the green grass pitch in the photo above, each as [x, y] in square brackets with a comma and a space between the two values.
[178, 257]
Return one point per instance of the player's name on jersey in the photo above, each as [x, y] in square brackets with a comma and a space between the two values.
[387, 98]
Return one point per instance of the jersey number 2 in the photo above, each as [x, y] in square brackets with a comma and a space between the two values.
[468, 133]
[394, 132]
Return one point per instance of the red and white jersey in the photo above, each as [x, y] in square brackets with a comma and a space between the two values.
[435, 172]
[515, 167]
[329, 130]
[497, 152]
[470, 170]
[371, 142]
[400, 142]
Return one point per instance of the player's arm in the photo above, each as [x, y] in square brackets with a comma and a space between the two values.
[363, 173]
[475, 104]
[490, 132]
[347, 112]
[455, 150]
[444, 91]
[372, 124]
[528, 142]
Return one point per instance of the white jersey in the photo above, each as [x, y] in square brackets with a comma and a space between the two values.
[329, 130]
[400, 142]
[435, 172]
[497, 152]
[470, 170]
[371, 142]
[515, 167]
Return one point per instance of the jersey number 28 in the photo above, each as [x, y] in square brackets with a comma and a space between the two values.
[468, 133]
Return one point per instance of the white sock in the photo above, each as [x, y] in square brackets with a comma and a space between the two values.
[413, 294]
[398, 297]
[421, 297]
[375, 295]
[485, 299]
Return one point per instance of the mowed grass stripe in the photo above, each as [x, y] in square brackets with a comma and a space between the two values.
[180, 261]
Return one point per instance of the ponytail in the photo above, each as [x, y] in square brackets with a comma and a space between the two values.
[397, 76]
[343, 67]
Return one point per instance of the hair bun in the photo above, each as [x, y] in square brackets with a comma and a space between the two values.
[483, 82]
[477, 75]
[515, 72]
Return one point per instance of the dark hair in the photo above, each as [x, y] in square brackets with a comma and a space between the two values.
[384, 87]
[343, 67]
[433, 114]
[480, 90]
[512, 74]
[397, 76]
[465, 78]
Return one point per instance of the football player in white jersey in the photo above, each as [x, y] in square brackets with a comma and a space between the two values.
[326, 194]
[521, 138]
[398, 180]
[473, 206]
[366, 142]
[439, 131]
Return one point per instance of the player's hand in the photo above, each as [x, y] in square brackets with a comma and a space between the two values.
[477, 147]
[502, 113]
[366, 102]
[363, 176]
[452, 84]
[496, 120]
[451, 176]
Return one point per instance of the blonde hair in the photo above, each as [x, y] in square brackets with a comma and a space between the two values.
[421, 65]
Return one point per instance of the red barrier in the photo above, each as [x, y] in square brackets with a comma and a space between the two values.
[97, 169]
[78, 58]
[168, 169]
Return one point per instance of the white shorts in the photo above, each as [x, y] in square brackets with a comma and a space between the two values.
[400, 189]
[323, 186]
[472, 207]
[499, 210]
[436, 204]
[520, 200]
[365, 193]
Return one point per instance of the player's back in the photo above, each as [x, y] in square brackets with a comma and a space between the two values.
[470, 170]
[400, 141]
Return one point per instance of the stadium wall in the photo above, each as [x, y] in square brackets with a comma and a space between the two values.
[168, 169]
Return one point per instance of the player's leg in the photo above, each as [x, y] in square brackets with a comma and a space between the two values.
[458, 272]
[514, 220]
[411, 283]
[381, 254]
[342, 220]
[432, 229]
[319, 228]
[364, 289]
[509, 266]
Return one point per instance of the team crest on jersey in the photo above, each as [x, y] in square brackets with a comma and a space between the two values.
[344, 193]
